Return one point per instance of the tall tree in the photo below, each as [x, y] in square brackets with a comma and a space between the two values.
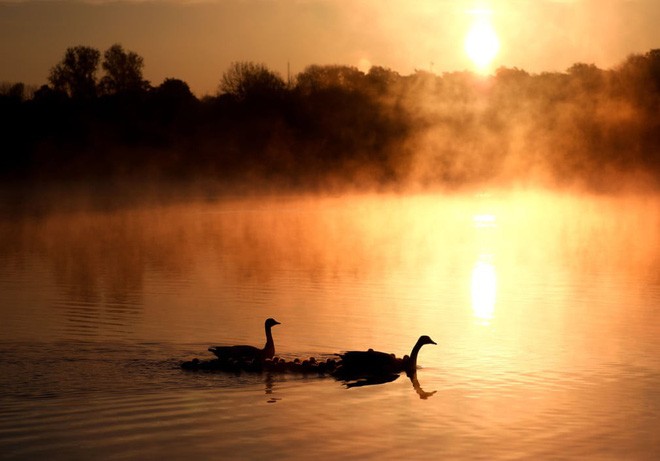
[246, 80]
[76, 73]
[123, 71]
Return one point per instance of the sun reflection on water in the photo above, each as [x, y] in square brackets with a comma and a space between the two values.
[484, 289]
[484, 220]
[484, 276]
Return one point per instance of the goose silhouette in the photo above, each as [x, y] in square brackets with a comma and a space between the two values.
[360, 364]
[247, 353]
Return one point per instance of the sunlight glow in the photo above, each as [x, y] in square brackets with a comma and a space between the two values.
[484, 220]
[484, 290]
[481, 42]
[364, 65]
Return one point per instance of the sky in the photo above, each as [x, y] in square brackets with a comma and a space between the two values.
[196, 40]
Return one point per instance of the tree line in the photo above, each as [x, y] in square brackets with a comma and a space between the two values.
[335, 125]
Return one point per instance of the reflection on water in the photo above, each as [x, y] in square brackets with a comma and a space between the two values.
[384, 379]
[484, 277]
[484, 289]
[99, 307]
[418, 388]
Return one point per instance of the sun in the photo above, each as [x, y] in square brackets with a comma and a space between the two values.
[481, 42]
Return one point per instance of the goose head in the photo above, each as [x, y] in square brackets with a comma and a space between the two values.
[410, 363]
[425, 340]
[271, 322]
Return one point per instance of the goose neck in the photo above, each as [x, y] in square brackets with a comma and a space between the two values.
[269, 336]
[412, 363]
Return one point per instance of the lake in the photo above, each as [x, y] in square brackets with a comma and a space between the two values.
[544, 307]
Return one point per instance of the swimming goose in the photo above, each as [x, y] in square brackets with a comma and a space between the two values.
[249, 352]
[375, 363]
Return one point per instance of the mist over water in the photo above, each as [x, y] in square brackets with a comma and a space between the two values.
[336, 128]
[92, 256]
[514, 218]
[542, 304]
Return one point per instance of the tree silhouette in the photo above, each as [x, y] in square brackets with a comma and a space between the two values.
[123, 71]
[15, 91]
[248, 80]
[174, 90]
[76, 73]
[315, 78]
[380, 128]
[653, 57]
[173, 100]
[382, 79]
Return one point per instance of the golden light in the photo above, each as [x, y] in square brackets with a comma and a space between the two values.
[484, 220]
[364, 65]
[484, 277]
[481, 42]
[484, 290]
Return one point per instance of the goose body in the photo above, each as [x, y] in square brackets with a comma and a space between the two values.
[376, 363]
[248, 353]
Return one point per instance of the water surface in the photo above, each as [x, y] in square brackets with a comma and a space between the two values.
[544, 307]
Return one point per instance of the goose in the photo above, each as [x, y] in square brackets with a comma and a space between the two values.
[374, 363]
[249, 352]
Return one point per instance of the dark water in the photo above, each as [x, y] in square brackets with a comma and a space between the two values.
[544, 307]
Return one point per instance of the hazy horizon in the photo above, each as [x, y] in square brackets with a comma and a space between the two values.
[483, 173]
[197, 41]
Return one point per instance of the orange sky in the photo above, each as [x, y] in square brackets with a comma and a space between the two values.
[195, 40]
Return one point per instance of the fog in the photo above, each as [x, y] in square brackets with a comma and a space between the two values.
[338, 129]
[514, 218]
[337, 172]
[96, 253]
